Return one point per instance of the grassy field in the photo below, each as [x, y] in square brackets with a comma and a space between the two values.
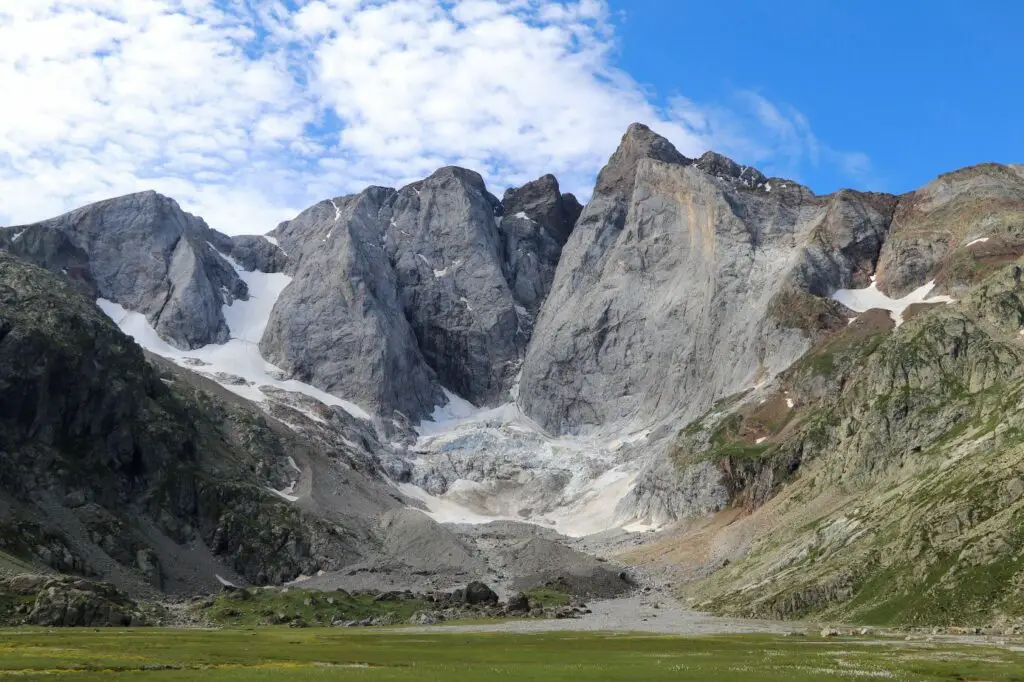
[321, 654]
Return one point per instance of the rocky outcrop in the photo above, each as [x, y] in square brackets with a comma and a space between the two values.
[537, 221]
[397, 294]
[684, 282]
[143, 252]
[542, 201]
[983, 202]
[65, 601]
[877, 476]
[340, 325]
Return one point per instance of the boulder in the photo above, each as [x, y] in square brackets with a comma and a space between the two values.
[478, 593]
[519, 603]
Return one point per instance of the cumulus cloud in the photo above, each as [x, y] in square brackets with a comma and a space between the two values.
[247, 111]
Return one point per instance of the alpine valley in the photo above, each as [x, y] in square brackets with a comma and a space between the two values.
[771, 403]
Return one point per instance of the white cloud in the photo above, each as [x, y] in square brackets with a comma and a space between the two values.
[247, 111]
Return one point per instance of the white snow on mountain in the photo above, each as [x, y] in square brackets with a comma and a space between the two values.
[861, 300]
[470, 465]
[239, 357]
[479, 465]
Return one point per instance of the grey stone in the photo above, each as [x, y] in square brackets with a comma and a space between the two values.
[339, 325]
[479, 593]
[443, 243]
[679, 287]
[143, 252]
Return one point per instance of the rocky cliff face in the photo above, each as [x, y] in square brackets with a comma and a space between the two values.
[685, 281]
[880, 480]
[691, 310]
[143, 252]
[397, 294]
[984, 202]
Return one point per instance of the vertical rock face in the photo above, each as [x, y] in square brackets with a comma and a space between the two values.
[542, 201]
[447, 255]
[537, 222]
[143, 252]
[674, 289]
[339, 324]
[399, 293]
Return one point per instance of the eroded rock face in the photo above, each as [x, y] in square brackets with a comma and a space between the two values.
[683, 282]
[143, 252]
[397, 294]
[983, 201]
[443, 243]
[339, 324]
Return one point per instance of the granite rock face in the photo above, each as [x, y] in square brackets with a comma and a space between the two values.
[536, 223]
[443, 243]
[542, 201]
[684, 282]
[397, 294]
[339, 325]
[143, 252]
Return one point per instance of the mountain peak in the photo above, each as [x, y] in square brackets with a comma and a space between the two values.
[639, 142]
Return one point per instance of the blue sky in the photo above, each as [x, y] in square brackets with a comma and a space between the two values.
[248, 111]
[919, 87]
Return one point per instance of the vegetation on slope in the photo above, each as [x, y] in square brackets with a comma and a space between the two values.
[894, 490]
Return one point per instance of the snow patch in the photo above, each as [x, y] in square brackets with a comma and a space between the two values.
[760, 440]
[448, 416]
[444, 271]
[979, 240]
[789, 403]
[522, 214]
[862, 300]
[284, 495]
[767, 187]
[272, 240]
[240, 356]
[337, 211]
[17, 235]
[222, 581]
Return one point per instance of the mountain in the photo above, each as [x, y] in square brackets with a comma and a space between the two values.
[784, 403]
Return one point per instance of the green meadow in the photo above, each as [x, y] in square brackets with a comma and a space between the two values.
[397, 655]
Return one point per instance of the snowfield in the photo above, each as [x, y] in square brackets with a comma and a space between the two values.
[862, 300]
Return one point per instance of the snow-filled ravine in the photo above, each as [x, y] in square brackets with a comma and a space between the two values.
[239, 357]
[862, 300]
[468, 465]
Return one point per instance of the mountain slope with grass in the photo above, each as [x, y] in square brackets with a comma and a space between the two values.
[879, 480]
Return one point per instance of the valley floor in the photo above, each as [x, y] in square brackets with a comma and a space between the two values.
[395, 655]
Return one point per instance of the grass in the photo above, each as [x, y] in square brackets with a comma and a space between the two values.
[548, 596]
[393, 656]
[274, 606]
